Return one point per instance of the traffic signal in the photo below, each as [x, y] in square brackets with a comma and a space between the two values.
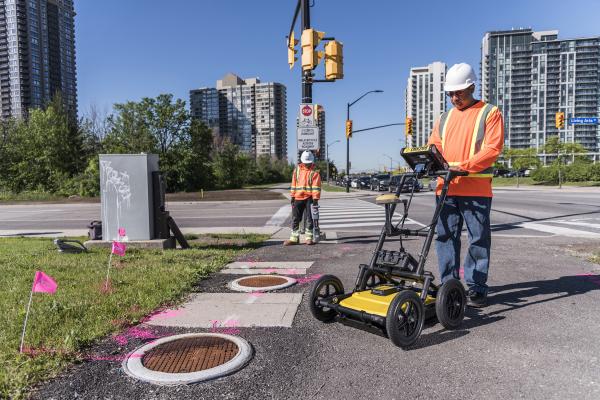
[334, 60]
[408, 126]
[310, 40]
[291, 45]
[560, 120]
[348, 129]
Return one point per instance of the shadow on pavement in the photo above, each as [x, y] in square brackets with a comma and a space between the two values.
[516, 295]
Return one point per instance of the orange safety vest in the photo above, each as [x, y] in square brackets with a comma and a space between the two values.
[306, 183]
[477, 139]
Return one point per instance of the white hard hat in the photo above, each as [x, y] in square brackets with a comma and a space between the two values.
[459, 77]
[307, 157]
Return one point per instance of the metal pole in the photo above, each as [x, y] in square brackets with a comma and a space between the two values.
[348, 153]
[306, 75]
[327, 160]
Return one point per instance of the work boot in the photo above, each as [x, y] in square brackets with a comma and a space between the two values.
[289, 242]
[476, 299]
[309, 242]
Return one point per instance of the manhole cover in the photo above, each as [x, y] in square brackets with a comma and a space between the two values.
[188, 358]
[261, 283]
[190, 355]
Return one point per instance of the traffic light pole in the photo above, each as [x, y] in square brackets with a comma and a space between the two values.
[306, 75]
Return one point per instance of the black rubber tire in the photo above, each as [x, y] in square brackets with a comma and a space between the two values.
[326, 282]
[450, 304]
[404, 328]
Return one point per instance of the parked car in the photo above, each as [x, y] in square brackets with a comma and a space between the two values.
[500, 172]
[364, 182]
[408, 185]
[512, 174]
[380, 182]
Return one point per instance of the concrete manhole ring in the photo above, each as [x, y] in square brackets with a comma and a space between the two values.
[188, 358]
[261, 283]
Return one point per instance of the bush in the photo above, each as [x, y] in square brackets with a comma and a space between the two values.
[577, 172]
[595, 172]
[547, 174]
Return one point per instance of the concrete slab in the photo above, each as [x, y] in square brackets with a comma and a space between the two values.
[269, 265]
[242, 230]
[139, 244]
[261, 271]
[205, 310]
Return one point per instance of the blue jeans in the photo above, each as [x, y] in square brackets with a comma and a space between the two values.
[475, 212]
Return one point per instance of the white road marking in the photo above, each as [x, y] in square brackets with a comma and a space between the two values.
[280, 216]
[557, 230]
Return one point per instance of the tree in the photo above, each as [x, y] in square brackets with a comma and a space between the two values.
[47, 149]
[156, 125]
[229, 166]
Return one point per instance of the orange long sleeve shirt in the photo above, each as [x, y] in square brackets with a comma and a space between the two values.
[457, 147]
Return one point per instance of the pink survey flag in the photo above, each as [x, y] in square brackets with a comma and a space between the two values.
[43, 283]
[118, 248]
[121, 232]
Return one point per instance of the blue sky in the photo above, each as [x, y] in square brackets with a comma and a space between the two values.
[129, 49]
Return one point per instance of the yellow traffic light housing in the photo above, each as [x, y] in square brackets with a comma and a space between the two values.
[348, 129]
[309, 41]
[408, 126]
[334, 60]
[560, 120]
[291, 45]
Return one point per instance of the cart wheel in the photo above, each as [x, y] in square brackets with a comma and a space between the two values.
[325, 286]
[405, 317]
[450, 304]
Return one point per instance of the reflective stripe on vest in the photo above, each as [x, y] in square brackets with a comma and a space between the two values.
[477, 138]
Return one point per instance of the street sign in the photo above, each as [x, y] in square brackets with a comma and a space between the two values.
[583, 121]
[308, 138]
[306, 115]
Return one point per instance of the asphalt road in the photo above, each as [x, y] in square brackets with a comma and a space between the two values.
[534, 213]
[536, 340]
[186, 214]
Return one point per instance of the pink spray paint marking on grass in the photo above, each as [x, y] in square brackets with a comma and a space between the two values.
[135, 333]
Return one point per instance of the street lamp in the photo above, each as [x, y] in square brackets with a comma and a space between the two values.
[348, 137]
[327, 156]
[391, 159]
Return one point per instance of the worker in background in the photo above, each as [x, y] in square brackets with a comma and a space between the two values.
[305, 191]
[470, 137]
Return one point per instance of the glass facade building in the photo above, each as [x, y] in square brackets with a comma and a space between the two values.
[37, 55]
[249, 113]
[533, 75]
[425, 100]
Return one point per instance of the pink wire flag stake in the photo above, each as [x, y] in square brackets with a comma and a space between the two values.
[42, 283]
[119, 249]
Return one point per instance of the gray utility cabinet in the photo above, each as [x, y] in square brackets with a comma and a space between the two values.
[126, 195]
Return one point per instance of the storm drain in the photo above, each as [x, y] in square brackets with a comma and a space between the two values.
[188, 358]
[261, 283]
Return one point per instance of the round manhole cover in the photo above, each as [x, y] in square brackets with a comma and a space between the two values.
[261, 283]
[190, 354]
[188, 358]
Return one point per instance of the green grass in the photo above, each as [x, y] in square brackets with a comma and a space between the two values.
[28, 196]
[332, 188]
[499, 182]
[79, 313]
[263, 186]
[513, 181]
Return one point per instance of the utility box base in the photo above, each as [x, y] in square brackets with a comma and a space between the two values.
[138, 244]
